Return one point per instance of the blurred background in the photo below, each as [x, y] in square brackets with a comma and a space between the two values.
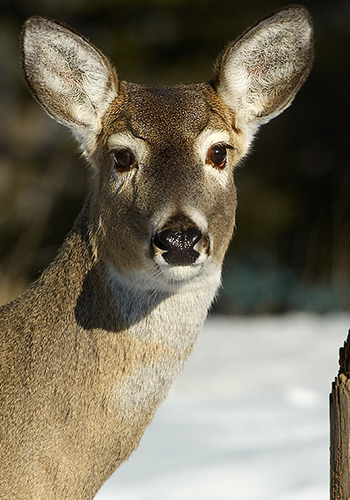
[291, 249]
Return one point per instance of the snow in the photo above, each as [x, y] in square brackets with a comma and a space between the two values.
[248, 418]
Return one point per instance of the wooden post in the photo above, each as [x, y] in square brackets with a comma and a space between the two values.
[340, 428]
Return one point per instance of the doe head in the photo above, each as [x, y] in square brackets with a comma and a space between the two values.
[162, 208]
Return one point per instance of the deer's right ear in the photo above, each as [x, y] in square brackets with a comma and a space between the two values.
[258, 75]
[71, 79]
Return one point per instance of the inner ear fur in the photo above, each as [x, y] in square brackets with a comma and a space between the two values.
[71, 79]
[260, 73]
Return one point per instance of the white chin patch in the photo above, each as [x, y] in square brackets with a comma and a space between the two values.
[179, 273]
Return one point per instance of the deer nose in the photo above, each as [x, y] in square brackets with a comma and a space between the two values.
[178, 245]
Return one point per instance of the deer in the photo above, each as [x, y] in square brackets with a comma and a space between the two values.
[90, 350]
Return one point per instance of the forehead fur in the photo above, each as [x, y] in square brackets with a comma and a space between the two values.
[153, 113]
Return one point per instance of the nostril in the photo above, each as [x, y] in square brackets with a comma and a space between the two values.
[159, 241]
[194, 235]
[188, 238]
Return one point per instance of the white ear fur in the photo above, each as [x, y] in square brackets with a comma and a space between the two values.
[71, 79]
[259, 74]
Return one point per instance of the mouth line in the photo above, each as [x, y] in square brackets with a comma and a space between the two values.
[181, 259]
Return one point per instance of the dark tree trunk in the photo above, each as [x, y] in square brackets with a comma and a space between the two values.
[340, 428]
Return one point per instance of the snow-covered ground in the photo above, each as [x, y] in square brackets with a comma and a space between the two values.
[248, 418]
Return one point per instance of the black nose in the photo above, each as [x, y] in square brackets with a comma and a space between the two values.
[178, 245]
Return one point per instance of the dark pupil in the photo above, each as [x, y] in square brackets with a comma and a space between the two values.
[123, 159]
[218, 156]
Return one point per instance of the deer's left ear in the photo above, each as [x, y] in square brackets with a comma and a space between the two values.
[259, 74]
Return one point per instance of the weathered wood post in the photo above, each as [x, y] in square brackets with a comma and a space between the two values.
[340, 428]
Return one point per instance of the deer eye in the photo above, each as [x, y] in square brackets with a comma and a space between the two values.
[217, 155]
[124, 160]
